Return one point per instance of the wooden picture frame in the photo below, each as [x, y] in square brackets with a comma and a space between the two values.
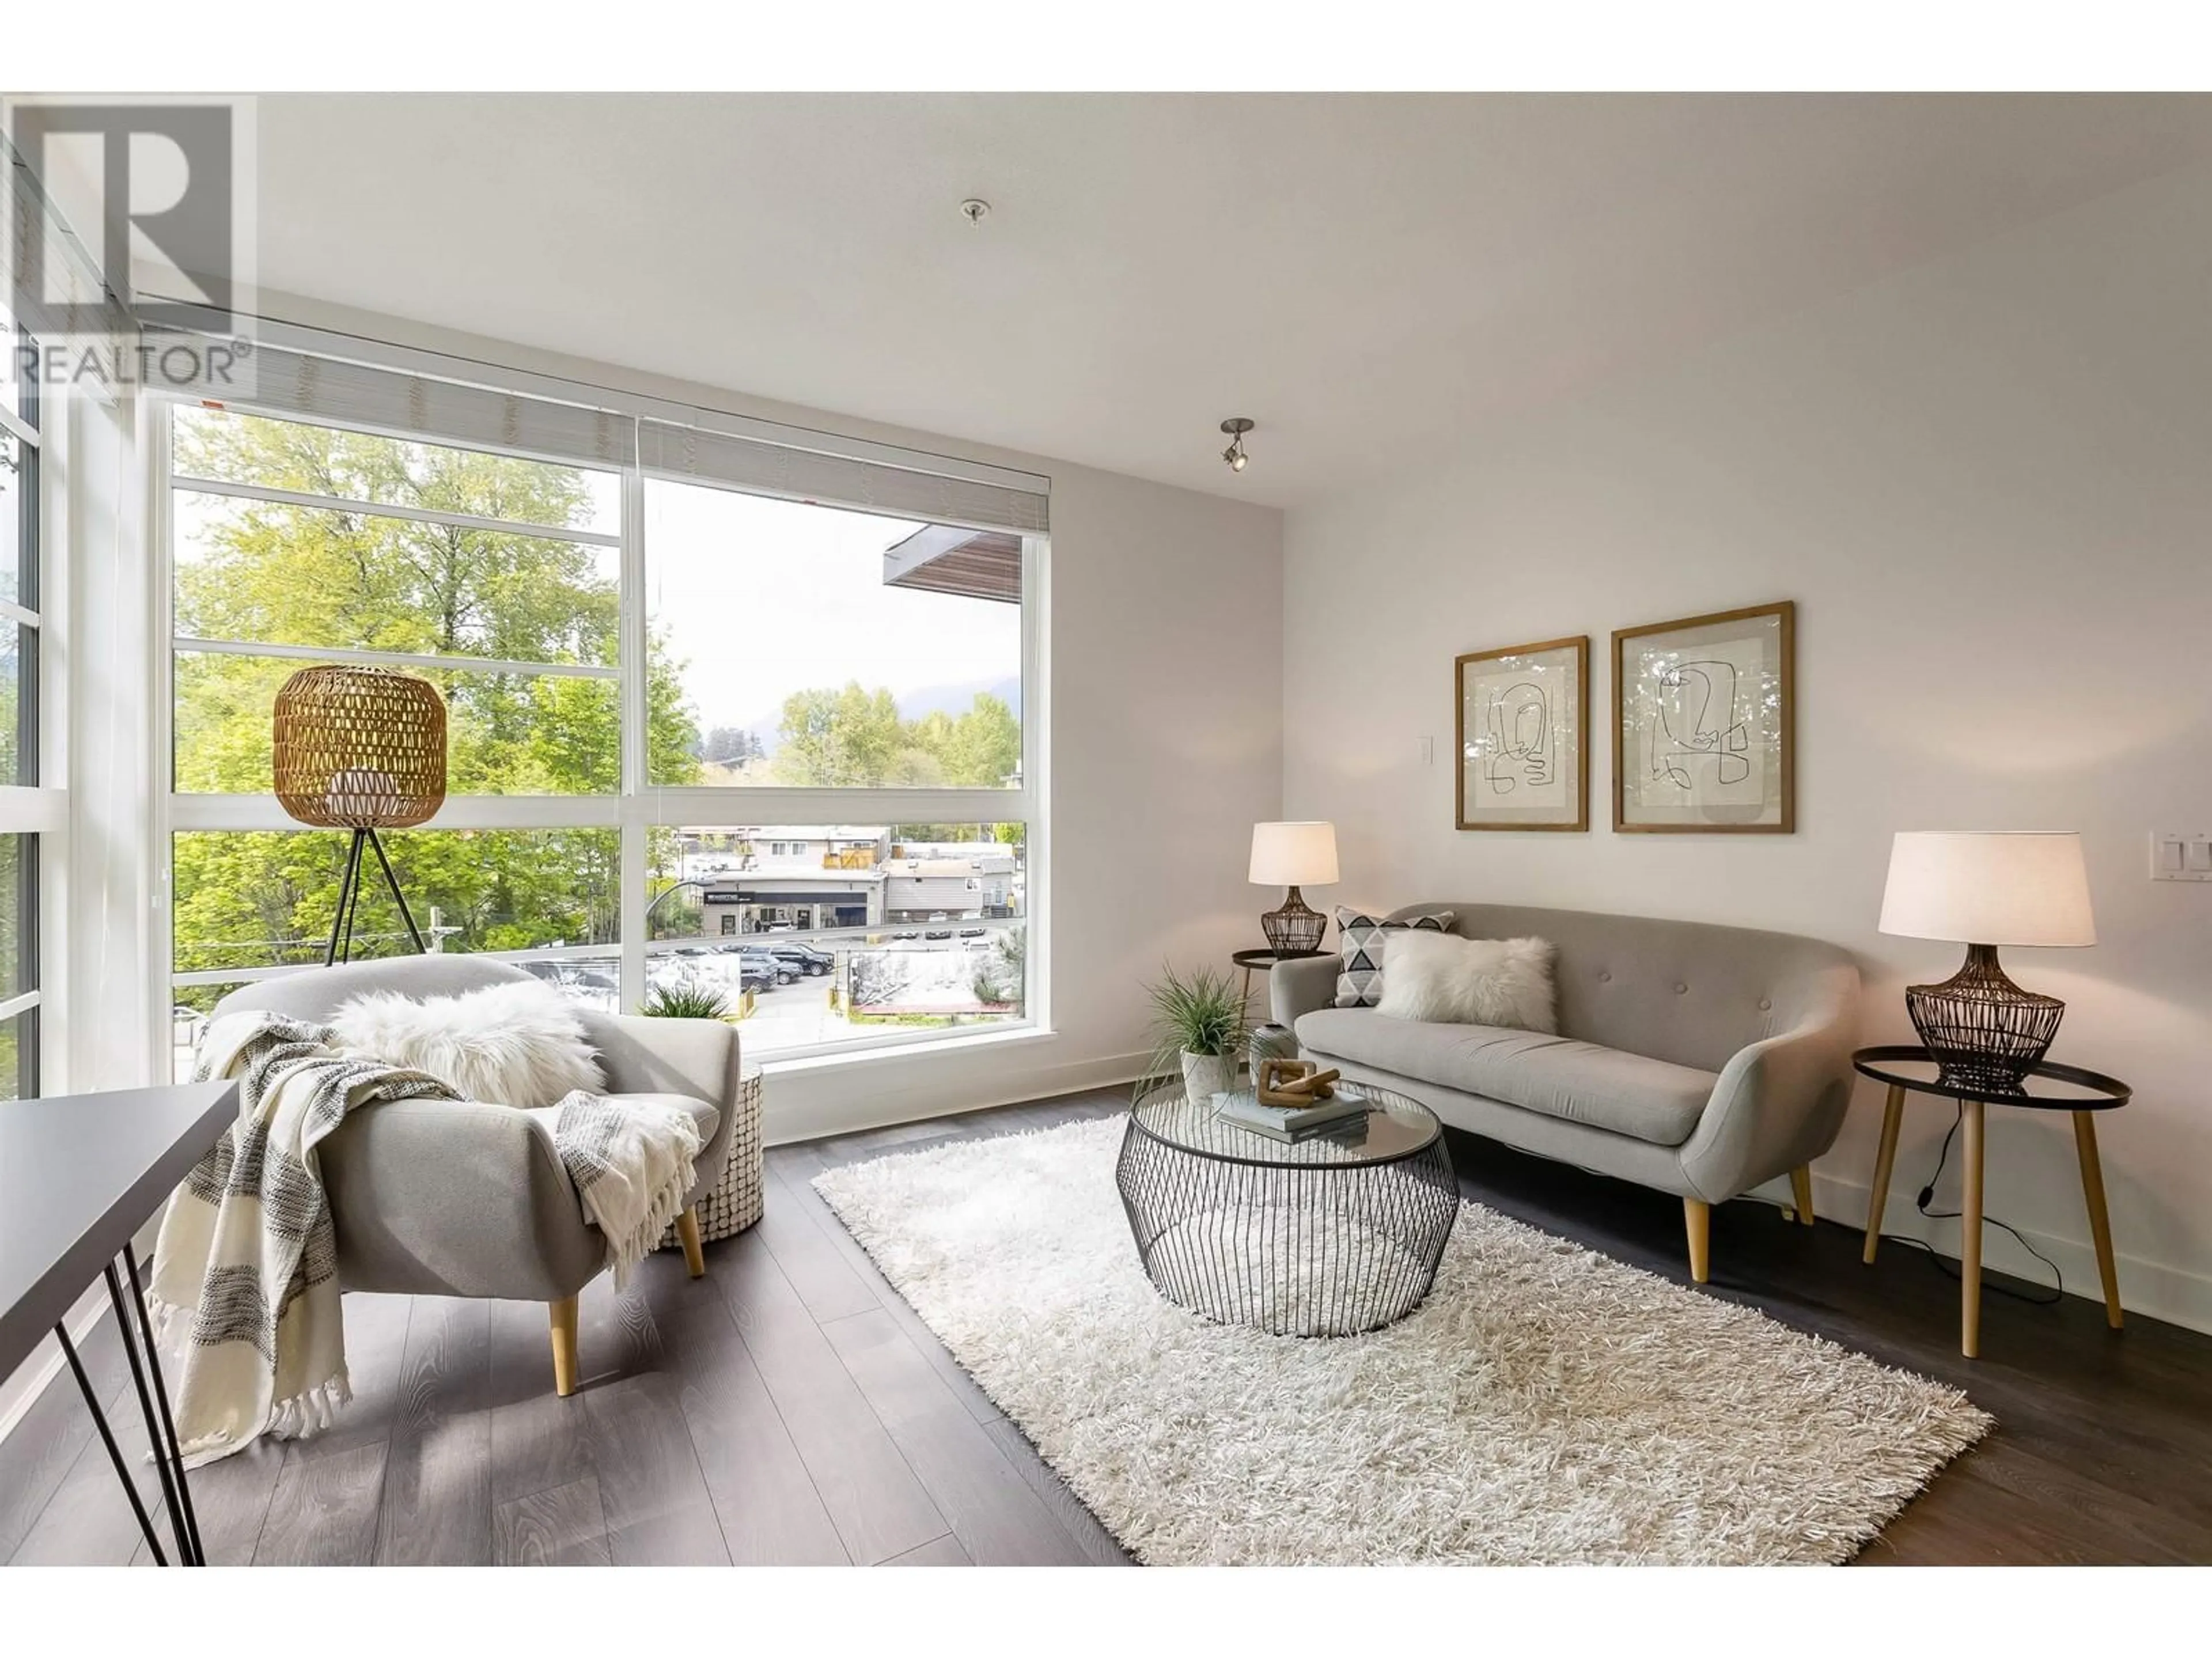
[1683, 766]
[1529, 737]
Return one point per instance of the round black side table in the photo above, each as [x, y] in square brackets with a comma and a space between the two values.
[1907, 1069]
[1247, 960]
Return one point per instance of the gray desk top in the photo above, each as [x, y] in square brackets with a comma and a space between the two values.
[79, 1174]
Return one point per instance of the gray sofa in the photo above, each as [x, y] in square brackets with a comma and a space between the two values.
[454, 1198]
[1699, 1059]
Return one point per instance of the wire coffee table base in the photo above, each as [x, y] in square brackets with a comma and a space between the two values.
[1285, 1242]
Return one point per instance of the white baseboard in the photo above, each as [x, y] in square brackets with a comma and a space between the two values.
[19, 1393]
[860, 1110]
[2150, 1288]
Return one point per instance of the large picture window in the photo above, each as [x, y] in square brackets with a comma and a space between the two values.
[706, 735]
[26, 810]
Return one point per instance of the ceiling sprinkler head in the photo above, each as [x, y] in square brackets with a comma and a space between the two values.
[1236, 426]
[975, 210]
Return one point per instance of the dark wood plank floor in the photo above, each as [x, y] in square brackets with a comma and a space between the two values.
[790, 1407]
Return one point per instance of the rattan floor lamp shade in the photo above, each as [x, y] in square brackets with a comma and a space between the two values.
[364, 750]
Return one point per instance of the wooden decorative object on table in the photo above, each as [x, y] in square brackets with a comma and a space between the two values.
[1293, 1083]
[364, 750]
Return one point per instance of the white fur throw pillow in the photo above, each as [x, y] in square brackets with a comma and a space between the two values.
[518, 1045]
[1470, 981]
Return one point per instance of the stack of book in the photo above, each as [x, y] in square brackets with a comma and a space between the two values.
[1244, 1110]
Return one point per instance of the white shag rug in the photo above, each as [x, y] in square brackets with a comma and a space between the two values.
[1545, 1405]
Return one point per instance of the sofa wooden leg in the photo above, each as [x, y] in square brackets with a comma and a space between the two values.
[563, 1314]
[687, 1234]
[1698, 1217]
[1800, 1189]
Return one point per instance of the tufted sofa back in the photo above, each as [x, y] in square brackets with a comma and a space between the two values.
[1688, 992]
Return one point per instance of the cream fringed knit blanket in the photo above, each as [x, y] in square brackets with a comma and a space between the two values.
[245, 1294]
[246, 1274]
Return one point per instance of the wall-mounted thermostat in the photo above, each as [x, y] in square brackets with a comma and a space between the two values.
[2181, 855]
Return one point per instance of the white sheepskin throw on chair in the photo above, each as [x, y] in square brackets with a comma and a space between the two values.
[1471, 982]
[515, 1045]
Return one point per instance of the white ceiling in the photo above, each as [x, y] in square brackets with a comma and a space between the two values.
[1364, 276]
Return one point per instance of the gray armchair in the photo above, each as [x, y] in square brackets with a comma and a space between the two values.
[454, 1198]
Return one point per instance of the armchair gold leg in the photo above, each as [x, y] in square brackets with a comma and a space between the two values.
[1698, 1217]
[1801, 1191]
[563, 1314]
[687, 1234]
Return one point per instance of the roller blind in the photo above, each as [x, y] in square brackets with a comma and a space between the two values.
[334, 390]
[671, 451]
[70, 296]
[340, 393]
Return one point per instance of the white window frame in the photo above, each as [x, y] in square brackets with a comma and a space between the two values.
[638, 806]
[40, 811]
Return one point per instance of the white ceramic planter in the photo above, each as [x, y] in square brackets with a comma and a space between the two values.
[1205, 1076]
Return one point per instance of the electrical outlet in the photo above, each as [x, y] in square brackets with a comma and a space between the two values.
[2181, 855]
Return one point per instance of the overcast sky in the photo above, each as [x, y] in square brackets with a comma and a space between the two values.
[765, 598]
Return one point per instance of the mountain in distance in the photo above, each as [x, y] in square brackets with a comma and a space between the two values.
[957, 698]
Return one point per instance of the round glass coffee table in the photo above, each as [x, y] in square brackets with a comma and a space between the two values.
[1328, 1236]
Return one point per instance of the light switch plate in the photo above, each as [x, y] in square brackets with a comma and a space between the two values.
[2181, 855]
[1428, 751]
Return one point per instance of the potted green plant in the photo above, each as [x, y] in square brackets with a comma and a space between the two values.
[684, 1000]
[1198, 1023]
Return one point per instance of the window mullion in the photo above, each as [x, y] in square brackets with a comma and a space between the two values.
[521, 529]
[635, 718]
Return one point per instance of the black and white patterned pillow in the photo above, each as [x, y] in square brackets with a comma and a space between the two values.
[1360, 940]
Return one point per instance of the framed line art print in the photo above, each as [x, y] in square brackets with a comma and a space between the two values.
[1703, 724]
[1520, 721]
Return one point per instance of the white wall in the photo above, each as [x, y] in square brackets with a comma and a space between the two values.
[1985, 482]
[1163, 696]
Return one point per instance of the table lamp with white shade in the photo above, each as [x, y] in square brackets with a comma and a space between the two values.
[1984, 889]
[1293, 855]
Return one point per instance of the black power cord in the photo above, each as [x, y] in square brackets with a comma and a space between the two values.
[1943, 1263]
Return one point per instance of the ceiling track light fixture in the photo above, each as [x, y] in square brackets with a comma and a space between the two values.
[1236, 426]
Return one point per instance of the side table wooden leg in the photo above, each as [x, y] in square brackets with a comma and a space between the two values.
[2100, 1222]
[1885, 1159]
[1970, 1239]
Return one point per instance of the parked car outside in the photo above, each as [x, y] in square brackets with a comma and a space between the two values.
[809, 961]
[780, 971]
